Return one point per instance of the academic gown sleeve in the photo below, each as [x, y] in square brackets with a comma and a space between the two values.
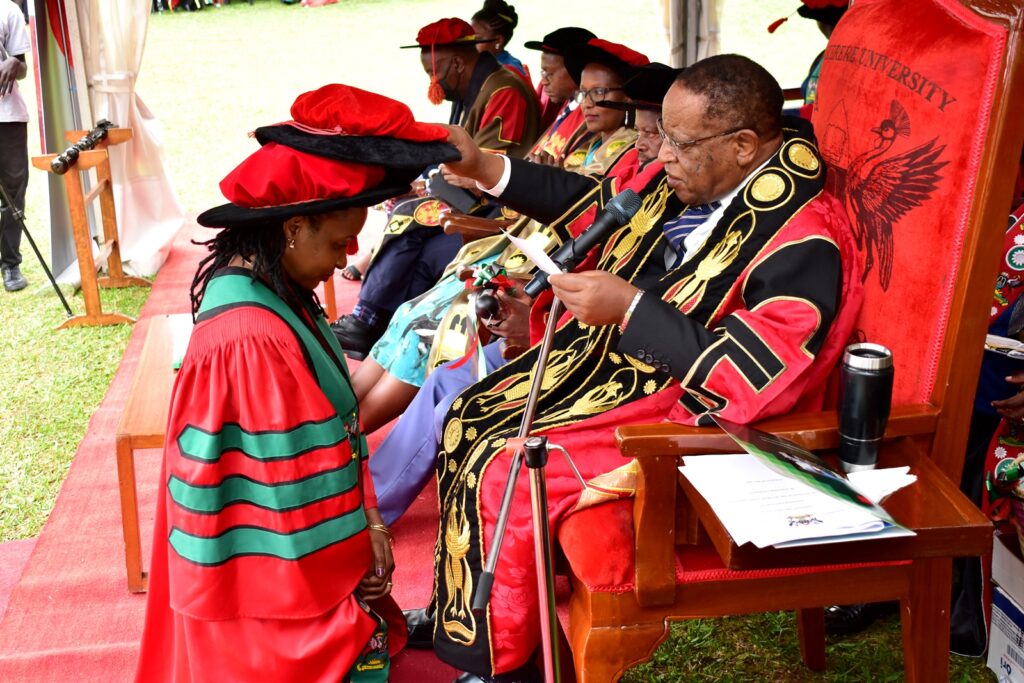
[503, 121]
[544, 193]
[748, 364]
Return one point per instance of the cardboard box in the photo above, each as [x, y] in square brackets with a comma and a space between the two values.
[1006, 640]
[1008, 567]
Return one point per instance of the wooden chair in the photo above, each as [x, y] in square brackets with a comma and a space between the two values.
[932, 311]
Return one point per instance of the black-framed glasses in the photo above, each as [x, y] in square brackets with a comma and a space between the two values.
[681, 146]
[595, 95]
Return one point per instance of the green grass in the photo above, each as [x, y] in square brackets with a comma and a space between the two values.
[765, 647]
[213, 76]
[53, 381]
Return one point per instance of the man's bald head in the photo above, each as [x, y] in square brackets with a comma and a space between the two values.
[739, 93]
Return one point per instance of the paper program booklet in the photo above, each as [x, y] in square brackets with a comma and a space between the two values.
[780, 495]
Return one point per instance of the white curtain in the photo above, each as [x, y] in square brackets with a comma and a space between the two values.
[149, 214]
[692, 29]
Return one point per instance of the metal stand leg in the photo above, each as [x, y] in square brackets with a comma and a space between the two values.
[536, 448]
[538, 494]
[8, 204]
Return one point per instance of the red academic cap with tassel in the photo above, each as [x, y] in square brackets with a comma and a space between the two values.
[444, 33]
[825, 11]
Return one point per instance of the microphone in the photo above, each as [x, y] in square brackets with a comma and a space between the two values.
[616, 213]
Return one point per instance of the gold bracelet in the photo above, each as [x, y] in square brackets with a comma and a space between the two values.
[384, 530]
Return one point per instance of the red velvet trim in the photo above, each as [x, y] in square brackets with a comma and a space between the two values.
[276, 175]
[342, 109]
[445, 31]
[628, 55]
[509, 107]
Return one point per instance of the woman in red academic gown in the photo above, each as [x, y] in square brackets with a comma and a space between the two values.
[270, 559]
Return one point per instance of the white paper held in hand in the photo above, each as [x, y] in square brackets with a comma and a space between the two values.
[535, 254]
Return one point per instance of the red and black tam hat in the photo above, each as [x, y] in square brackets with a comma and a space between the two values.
[645, 87]
[450, 32]
[344, 148]
[558, 42]
[615, 56]
[828, 12]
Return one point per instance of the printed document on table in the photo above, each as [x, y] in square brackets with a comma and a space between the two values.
[757, 504]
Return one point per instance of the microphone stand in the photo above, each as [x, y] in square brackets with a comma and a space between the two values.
[535, 449]
[8, 204]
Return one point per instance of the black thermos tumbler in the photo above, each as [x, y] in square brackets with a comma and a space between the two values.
[865, 396]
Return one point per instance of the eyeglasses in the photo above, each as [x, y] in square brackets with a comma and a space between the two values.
[684, 145]
[548, 74]
[595, 95]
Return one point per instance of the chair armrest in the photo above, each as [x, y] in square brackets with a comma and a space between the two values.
[658, 513]
[471, 227]
[813, 431]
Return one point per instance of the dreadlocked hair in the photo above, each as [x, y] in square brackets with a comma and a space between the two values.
[262, 246]
[500, 16]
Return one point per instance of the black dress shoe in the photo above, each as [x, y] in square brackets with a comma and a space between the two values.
[13, 279]
[420, 624]
[849, 620]
[355, 336]
[527, 673]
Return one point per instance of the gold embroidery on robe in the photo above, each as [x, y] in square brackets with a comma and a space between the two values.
[457, 617]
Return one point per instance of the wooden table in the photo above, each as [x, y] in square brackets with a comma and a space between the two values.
[142, 425]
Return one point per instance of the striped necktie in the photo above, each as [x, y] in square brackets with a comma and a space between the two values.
[677, 229]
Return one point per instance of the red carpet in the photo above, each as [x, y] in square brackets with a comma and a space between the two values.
[71, 617]
[13, 558]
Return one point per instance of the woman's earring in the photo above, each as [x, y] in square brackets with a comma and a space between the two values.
[291, 242]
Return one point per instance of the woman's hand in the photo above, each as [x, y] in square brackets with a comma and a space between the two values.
[1012, 408]
[515, 326]
[377, 582]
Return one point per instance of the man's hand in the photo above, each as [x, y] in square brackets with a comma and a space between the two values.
[594, 297]
[9, 69]
[515, 327]
[459, 181]
[475, 164]
[377, 581]
[1012, 408]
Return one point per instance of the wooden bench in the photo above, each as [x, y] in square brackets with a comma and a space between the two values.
[142, 425]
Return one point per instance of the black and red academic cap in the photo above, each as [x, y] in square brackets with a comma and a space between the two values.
[645, 86]
[615, 56]
[344, 147]
[826, 11]
[558, 41]
[446, 33]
